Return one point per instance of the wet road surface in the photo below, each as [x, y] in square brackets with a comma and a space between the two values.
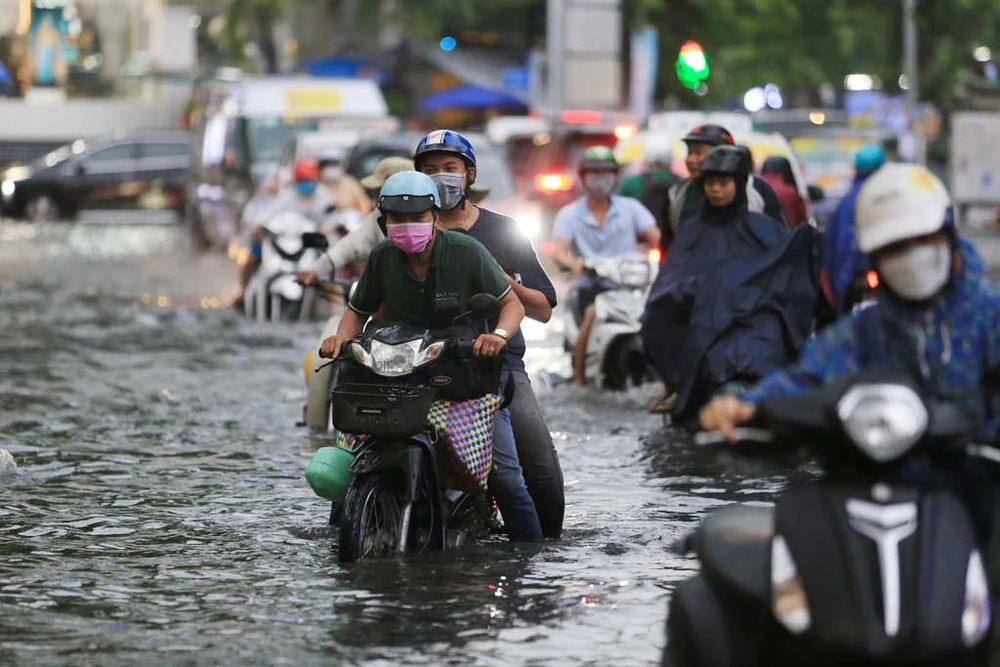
[160, 515]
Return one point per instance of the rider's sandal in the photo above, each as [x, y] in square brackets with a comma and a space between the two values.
[665, 404]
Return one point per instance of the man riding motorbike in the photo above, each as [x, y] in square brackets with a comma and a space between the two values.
[687, 198]
[449, 159]
[842, 261]
[599, 224]
[937, 318]
[358, 244]
[303, 196]
[425, 277]
[711, 316]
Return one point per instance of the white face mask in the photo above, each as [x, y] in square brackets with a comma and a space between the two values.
[918, 273]
[332, 173]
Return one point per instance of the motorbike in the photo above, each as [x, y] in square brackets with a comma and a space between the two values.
[863, 566]
[384, 383]
[289, 246]
[615, 357]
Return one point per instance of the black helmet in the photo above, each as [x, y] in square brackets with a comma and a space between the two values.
[726, 160]
[713, 135]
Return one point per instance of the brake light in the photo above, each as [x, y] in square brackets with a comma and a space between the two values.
[872, 279]
[582, 117]
[625, 131]
[555, 183]
[655, 255]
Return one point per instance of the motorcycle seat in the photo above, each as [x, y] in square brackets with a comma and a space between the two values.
[734, 546]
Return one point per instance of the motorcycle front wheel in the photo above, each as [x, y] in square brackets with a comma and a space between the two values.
[371, 520]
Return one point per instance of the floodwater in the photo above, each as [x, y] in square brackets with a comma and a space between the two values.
[160, 515]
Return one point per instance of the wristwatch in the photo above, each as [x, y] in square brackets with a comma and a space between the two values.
[502, 333]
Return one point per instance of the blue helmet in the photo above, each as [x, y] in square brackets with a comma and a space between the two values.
[408, 192]
[445, 141]
[868, 159]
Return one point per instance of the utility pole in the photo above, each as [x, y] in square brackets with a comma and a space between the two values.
[584, 54]
[555, 54]
[910, 66]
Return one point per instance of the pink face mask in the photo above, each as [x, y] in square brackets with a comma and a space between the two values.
[411, 237]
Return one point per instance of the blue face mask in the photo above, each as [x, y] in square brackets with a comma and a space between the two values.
[306, 188]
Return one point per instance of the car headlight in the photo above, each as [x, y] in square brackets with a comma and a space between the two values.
[7, 188]
[883, 420]
[395, 360]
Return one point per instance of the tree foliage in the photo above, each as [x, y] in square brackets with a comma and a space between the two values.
[801, 45]
[798, 45]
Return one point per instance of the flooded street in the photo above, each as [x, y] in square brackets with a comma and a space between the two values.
[160, 514]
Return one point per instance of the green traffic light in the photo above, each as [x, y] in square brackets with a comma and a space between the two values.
[692, 64]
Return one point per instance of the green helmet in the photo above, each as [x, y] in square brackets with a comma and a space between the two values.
[329, 473]
[598, 158]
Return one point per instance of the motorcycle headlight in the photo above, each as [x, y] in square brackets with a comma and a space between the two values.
[633, 273]
[400, 359]
[361, 355]
[883, 420]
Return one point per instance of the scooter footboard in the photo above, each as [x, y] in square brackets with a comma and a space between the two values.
[886, 571]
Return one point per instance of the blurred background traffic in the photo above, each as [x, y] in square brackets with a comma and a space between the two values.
[188, 110]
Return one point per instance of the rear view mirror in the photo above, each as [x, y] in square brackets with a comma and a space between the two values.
[315, 240]
[484, 305]
[815, 193]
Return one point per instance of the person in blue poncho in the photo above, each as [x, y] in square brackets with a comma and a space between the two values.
[843, 263]
[735, 297]
[937, 317]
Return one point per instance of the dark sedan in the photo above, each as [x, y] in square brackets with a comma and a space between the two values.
[127, 172]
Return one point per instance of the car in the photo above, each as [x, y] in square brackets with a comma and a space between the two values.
[136, 171]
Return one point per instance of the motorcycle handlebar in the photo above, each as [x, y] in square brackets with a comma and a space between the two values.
[464, 346]
[744, 434]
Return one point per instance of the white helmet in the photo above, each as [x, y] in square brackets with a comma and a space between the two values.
[657, 149]
[899, 202]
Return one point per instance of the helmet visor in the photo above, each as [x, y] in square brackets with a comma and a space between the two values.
[406, 203]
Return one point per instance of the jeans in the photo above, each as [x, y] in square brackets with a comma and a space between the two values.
[508, 487]
[539, 460]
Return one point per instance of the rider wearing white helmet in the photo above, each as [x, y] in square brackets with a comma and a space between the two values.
[937, 319]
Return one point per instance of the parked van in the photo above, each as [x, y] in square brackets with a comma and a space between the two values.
[241, 126]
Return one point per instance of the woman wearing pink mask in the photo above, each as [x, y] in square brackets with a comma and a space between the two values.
[425, 277]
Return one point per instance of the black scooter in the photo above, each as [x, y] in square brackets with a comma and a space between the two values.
[862, 567]
[383, 386]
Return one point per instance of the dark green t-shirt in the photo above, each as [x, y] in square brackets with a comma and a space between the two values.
[460, 267]
[634, 186]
